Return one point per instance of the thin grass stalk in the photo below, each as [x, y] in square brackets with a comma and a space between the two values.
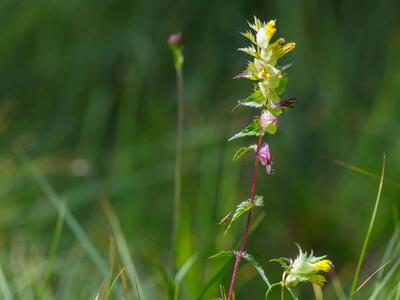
[248, 223]
[178, 163]
[123, 249]
[53, 249]
[175, 44]
[368, 235]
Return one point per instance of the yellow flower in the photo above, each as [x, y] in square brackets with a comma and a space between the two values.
[264, 74]
[270, 28]
[288, 47]
[323, 265]
[305, 268]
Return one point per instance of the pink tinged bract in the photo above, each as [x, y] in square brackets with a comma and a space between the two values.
[264, 155]
[267, 119]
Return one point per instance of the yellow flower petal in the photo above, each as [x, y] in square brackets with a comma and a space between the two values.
[323, 265]
[318, 279]
[288, 47]
[270, 28]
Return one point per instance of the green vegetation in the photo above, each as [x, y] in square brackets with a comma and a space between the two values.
[88, 106]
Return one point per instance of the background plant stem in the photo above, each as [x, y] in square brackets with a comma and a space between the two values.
[248, 223]
[178, 163]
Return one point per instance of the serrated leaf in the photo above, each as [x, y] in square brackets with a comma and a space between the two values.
[258, 201]
[251, 50]
[253, 129]
[242, 151]
[257, 266]
[249, 36]
[223, 254]
[240, 210]
[254, 100]
[250, 72]
[243, 207]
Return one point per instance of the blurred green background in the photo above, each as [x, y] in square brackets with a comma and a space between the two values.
[87, 89]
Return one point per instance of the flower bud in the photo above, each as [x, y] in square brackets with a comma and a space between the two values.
[175, 43]
[264, 156]
[267, 120]
[175, 39]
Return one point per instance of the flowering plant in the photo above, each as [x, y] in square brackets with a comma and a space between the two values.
[270, 80]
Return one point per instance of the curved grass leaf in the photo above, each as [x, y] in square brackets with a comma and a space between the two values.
[111, 288]
[57, 202]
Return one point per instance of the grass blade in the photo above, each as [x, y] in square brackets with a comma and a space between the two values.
[184, 269]
[4, 288]
[360, 170]
[389, 249]
[114, 282]
[122, 247]
[368, 235]
[53, 249]
[56, 201]
[372, 275]
[384, 281]
[213, 280]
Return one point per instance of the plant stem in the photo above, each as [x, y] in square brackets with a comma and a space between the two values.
[178, 164]
[270, 288]
[283, 285]
[248, 223]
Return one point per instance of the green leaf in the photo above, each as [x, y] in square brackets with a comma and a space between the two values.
[220, 254]
[250, 72]
[258, 201]
[282, 86]
[292, 294]
[254, 100]
[271, 128]
[242, 151]
[250, 259]
[111, 288]
[253, 129]
[249, 36]
[257, 266]
[184, 269]
[280, 261]
[243, 207]
[251, 50]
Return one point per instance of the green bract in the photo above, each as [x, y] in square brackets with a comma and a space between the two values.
[305, 268]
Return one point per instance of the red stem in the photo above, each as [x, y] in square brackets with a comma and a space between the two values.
[239, 254]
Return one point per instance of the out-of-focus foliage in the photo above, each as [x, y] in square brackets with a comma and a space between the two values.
[87, 88]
